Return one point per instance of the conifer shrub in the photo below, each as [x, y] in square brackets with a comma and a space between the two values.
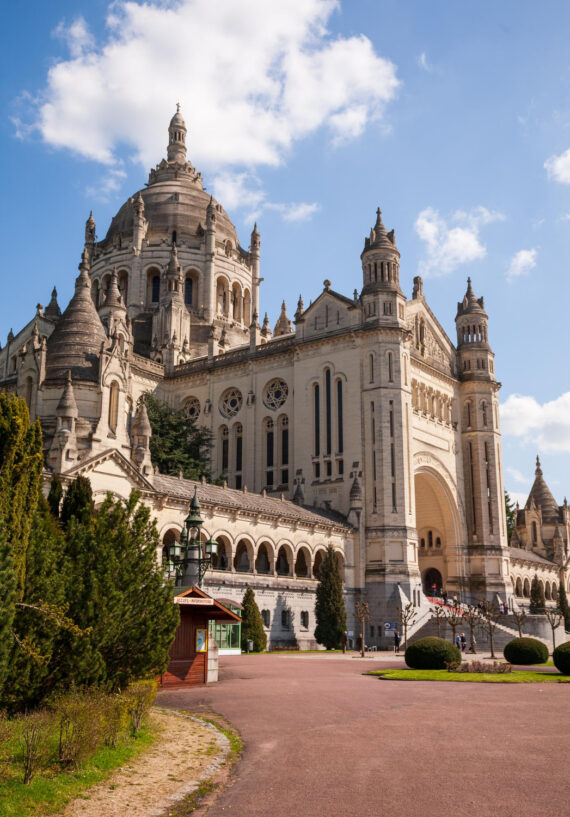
[252, 628]
[561, 658]
[431, 653]
[525, 651]
[140, 697]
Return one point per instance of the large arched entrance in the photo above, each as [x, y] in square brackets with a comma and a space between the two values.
[439, 531]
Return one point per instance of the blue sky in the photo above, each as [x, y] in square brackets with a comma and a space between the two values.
[453, 116]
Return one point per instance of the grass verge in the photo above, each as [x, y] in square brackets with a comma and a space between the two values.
[515, 677]
[52, 789]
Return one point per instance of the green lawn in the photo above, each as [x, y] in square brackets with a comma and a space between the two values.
[515, 677]
[52, 789]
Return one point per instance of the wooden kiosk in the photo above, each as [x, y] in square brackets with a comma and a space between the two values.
[193, 659]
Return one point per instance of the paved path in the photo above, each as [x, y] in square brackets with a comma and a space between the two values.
[323, 740]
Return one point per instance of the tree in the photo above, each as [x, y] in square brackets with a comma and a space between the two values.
[489, 618]
[537, 600]
[555, 619]
[54, 496]
[20, 480]
[454, 619]
[510, 516]
[252, 624]
[439, 614]
[330, 611]
[363, 615]
[520, 618]
[77, 503]
[563, 605]
[472, 617]
[406, 617]
[178, 444]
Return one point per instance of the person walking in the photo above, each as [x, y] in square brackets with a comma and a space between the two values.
[397, 640]
[458, 642]
[344, 641]
[463, 642]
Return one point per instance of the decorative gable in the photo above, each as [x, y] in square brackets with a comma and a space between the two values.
[331, 312]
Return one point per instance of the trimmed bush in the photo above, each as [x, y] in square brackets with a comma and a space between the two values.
[140, 697]
[526, 651]
[79, 727]
[431, 653]
[561, 658]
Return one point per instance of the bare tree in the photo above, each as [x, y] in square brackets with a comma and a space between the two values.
[472, 617]
[439, 613]
[520, 618]
[454, 619]
[406, 617]
[363, 615]
[490, 615]
[554, 618]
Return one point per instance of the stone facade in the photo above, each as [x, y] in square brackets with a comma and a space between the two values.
[358, 423]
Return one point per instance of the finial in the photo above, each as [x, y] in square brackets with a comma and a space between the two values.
[178, 107]
[327, 284]
[538, 468]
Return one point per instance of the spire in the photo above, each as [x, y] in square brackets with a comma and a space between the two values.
[471, 303]
[52, 310]
[90, 230]
[173, 269]
[265, 330]
[67, 407]
[283, 325]
[300, 309]
[177, 138]
[538, 469]
[379, 237]
[541, 497]
[114, 298]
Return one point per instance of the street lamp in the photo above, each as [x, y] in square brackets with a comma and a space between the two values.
[189, 559]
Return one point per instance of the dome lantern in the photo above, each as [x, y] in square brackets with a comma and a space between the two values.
[177, 138]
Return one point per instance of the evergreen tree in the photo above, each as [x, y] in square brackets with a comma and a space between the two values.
[54, 496]
[510, 516]
[252, 623]
[20, 479]
[329, 609]
[537, 600]
[563, 606]
[78, 502]
[178, 444]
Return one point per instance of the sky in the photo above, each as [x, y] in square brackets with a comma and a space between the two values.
[305, 115]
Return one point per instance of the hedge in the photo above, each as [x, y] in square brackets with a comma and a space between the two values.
[561, 658]
[431, 653]
[526, 651]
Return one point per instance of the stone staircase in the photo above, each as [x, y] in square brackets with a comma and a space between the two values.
[505, 630]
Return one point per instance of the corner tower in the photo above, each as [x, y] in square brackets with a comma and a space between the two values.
[482, 463]
[381, 296]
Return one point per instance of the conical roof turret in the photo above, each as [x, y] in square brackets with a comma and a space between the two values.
[541, 496]
[283, 325]
[67, 407]
[471, 303]
[52, 310]
[141, 423]
[114, 298]
[380, 238]
[75, 343]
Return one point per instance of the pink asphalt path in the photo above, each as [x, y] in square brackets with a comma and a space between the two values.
[322, 739]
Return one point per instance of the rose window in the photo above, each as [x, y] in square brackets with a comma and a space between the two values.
[192, 408]
[231, 402]
[275, 394]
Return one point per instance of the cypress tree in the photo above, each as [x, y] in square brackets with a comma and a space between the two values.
[20, 480]
[537, 600]
[563, 606]
[329, 609]
[178, 444]
[78, 502]
[54, 496]
[252, 623]
[510, 516]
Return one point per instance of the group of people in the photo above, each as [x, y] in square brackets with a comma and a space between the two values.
[461, 643]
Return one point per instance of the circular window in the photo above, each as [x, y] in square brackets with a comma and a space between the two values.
[192, 408]
[230, 402]
[276, 393]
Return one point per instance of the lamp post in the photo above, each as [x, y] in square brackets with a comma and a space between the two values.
[189, 559]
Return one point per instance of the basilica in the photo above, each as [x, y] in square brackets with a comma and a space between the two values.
[354, 422]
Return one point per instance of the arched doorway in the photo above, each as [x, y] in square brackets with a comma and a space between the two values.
[439, 533]
[431, 577]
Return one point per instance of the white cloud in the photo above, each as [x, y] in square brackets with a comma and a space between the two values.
[76, 36]
[253, 77]
[519, 496]
[558, 167]
[450, 243]
[424, 64]
[108, 184]
[517, 475]
[546, 425]
[301, 211]
[244, 190]
[521, 263]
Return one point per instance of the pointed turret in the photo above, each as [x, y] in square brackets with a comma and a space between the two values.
[300, 309]
[52, 310]
[67, 407]
[541, 496]
[90, 230]
[265, 330]
[141, 433]
[474, 352]
[380, 272]
[75, 343]
[283, 325]
[114, 298]
[254, 252]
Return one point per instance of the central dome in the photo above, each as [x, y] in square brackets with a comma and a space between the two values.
[175, 201]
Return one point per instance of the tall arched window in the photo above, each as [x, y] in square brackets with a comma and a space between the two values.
[371, 367]
[224, 448]
[113, 406]
[188, 291]
[238, 434]
[155, 289]
[484, 412]
[534, 533]
[284, 448]
[328, 411]
[317, 419]
[339, 417]
[390, 367]
[269, 453]
[28, 389]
